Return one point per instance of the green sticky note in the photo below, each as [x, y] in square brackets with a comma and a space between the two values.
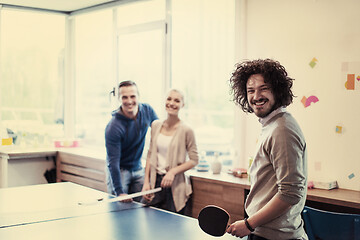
[312, 64]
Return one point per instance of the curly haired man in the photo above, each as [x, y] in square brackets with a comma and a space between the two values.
[278, 173]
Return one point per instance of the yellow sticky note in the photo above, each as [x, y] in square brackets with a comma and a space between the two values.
[6, 141]
[338, 129]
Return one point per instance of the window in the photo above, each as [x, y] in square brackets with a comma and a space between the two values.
[203, 33]
[115, 44]
[94, 76]
[141, 49]
[102, 62]
[31, 85]
[202, 59]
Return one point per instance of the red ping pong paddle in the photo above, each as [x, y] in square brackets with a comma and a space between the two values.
[214, 220]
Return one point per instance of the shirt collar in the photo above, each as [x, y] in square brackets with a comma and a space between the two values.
[264, 120]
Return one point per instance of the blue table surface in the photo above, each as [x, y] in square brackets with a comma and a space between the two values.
[65, 219]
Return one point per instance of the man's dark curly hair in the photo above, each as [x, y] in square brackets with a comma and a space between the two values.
[273, 73]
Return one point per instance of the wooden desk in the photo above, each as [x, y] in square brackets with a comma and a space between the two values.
[222, 189]
[230, 193]
[79, 165]
[83, 167]
[336, 200]
[12, 153]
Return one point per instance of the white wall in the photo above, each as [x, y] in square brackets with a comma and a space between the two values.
[23, 172]
[294, 32]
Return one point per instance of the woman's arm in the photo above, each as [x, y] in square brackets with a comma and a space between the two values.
[170, 175]
[191, 149]
[146, 185]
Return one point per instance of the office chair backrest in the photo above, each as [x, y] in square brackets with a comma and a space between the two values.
[324, 225]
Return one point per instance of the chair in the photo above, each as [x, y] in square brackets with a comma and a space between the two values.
[324, 225]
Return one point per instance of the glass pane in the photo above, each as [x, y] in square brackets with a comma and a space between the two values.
[94, 78]
[202, 61]
[32, 55]
[141, 60]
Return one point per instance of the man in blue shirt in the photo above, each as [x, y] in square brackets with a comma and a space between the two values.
[124, 141]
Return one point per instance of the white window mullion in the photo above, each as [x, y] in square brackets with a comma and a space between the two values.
[167, 46]
[115, 50]
[69, 98]
[240, 158]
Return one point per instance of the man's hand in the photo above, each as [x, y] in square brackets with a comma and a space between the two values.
[127, 200]
[238, 229]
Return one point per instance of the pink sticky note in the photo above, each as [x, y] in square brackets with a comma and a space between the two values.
[311, 99]
[344, 66]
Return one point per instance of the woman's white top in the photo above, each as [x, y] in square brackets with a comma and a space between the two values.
[163, 142]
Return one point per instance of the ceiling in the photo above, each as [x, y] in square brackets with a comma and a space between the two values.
[56, 5]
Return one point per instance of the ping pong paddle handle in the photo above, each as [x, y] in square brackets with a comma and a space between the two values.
[121, 198]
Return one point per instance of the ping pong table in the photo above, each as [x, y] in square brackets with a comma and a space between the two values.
[52, 212]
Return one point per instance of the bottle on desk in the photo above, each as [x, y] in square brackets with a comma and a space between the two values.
[203, 165]
[216, 164]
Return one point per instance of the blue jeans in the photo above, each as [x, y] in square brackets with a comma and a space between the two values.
[131, 181]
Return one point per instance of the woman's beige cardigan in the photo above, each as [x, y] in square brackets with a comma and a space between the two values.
[182, 144]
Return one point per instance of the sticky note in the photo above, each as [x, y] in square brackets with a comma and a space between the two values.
[338, 129]
[350, 83]
[303, 100]
[345, 67]
[6, 141]
[313, 62]
[351, 176]
[309, 100]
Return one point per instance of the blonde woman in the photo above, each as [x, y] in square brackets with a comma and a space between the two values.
[172, 152]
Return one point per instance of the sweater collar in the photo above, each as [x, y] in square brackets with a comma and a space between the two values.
[266, 119]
